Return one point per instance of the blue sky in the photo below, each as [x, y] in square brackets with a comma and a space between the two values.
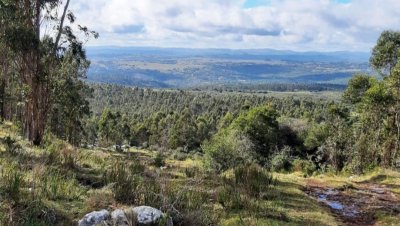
[303, 25]
[255, 3]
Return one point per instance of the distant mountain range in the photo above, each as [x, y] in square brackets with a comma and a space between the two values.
[180, 68]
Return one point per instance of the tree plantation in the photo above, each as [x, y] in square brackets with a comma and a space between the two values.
[79, 153]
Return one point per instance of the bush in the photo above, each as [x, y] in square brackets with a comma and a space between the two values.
[159, 160]
[281, 161]
[180, 156]
[253, 179]
[190, 172]
[227, 149]
[305, 166]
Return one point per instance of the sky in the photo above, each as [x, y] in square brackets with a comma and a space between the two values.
[300, 25]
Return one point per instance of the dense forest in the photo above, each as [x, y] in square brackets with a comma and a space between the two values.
[248, 131]
[330, 132]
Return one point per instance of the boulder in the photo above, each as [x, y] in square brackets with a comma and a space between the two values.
[119, 218]
[142, 215]
[95, 218]
[147, 215]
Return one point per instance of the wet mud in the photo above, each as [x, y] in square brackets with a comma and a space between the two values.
[356, 204]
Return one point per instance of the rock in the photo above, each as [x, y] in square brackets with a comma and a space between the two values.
[147, 215]
[142, 215]
[119, 218]
[95, 218]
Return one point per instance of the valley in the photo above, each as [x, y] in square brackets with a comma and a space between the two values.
[191, 68]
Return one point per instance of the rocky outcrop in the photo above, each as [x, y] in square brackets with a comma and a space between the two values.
[141, 215]
[95, 218]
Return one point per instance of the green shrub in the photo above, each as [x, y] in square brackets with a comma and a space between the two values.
[280, 162]
[180, 156]
[191, 172]
[305, 166]
[227, 149]
[159, 160]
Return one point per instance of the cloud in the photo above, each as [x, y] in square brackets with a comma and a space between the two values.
[281, 24]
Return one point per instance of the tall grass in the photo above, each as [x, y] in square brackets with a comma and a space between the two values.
[51, 183]
[125, 181]
[12, 182]
[253, 179]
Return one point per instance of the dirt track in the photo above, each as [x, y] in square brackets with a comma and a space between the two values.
[355, 204]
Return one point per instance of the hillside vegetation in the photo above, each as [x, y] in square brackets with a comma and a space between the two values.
[200, 156]
[57, 184]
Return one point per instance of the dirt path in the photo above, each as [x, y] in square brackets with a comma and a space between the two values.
[355, 204]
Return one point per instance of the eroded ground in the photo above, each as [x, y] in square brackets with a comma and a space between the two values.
[358, 203]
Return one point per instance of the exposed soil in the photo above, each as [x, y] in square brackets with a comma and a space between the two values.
[355, 204]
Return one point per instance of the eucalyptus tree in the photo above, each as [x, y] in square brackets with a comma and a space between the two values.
[377, 105]
[386, 60]
[42, 60]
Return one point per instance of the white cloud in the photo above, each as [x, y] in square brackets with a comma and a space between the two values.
[282, 24]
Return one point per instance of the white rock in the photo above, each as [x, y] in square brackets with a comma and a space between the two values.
[147, 214]
[119, 218]
[95, 218]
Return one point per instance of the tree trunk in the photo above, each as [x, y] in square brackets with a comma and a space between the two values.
[35, 109]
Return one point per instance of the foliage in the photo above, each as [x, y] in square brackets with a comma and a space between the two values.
[41, 72]
[11, 144]
[305, 166]
[227, 149]
[281, 161]
[260, 125]
[159, 160]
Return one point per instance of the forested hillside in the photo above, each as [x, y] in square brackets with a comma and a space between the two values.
[73, 153]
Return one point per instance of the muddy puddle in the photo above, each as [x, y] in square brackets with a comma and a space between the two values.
[356, 205]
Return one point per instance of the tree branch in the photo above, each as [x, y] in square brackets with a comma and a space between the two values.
[61, 27]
